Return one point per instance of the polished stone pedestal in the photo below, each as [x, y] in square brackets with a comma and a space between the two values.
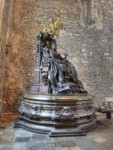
[57, 115]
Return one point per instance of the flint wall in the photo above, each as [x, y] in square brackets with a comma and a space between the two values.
[87, 39]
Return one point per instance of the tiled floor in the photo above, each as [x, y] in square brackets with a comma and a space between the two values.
[19, 139]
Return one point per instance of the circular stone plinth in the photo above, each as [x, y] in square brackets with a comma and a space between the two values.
[57, 115]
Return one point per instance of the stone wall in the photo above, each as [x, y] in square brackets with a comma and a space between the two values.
[4, 26]
[86, 38]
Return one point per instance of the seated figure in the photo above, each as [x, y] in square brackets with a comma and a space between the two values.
[61, 76]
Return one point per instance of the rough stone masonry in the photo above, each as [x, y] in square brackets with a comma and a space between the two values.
[87, 39]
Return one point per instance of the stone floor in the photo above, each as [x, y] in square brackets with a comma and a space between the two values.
[19, 139]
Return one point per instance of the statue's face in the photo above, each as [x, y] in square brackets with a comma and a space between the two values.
[53, 46]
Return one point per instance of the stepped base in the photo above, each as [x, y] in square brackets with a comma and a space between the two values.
[57, 115]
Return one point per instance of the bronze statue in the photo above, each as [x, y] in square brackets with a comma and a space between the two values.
[56, 103]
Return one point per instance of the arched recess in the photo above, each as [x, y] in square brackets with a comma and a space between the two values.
[91, 13]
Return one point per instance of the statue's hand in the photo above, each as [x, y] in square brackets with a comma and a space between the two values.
[65, 55]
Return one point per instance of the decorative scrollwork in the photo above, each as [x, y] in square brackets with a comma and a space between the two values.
[65, 114]
[30, 112]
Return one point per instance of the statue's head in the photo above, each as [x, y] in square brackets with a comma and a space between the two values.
[47, 40]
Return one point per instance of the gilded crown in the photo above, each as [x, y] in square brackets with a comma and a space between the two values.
[55, 25]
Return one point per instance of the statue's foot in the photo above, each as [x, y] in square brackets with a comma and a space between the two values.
[83, 91]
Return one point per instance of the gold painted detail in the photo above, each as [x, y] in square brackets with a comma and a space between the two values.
[45, 69]
[37, 70]
[55, 25]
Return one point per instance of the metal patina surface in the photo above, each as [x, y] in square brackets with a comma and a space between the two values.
[56, 103]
